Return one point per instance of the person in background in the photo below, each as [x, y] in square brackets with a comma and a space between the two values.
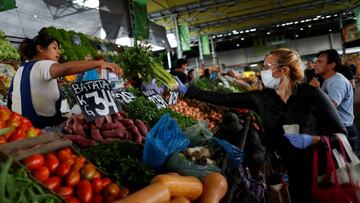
[191, 75]
[93, 74]
[206, 74]
[34, 91]
[285, 104]
[309, 71]
[179, 70]
[338, 89]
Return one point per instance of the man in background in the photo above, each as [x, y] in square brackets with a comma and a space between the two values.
[338, 89]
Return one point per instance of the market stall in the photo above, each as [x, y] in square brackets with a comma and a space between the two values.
[138, 144]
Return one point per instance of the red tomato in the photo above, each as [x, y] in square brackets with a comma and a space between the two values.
[97, 199]
[71, 200]
[105, 182]
[13, 122]
[84, 191]
[42, 173]
[112, 189]
[51, 162]
[3, 140]
[53, 182]
[17, 135]
[88, 171]
[26, 122]
[34, 162]
[65, 191]
[97, 175]
[64, 155]
[96, 185]
[33, 132]
[79, 163]
[63, 169]
[123, 192]
[5, 114]
[72, 178]
[68, 150]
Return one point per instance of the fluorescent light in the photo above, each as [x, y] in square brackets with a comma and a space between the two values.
[335, 15]
[241, 32]
[303, 21]
[213, 36]
[330, 30]
[328, 16]
[123, 41]
[309, 25]
[156, 48]
[242, 38]
[268, 33]
[253, 65]
[246, 31]
[237, 45]
[301, 28]
[172, 40]
[253, 30]
[296, 35]
[87, 3]
[102, 33]
[296, 22]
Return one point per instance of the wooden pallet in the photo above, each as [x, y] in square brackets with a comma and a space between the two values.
[43, 144]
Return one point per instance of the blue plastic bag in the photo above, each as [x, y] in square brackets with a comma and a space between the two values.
[235, 154]
[164, 139]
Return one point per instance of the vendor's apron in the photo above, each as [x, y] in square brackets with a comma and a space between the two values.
[28, 110]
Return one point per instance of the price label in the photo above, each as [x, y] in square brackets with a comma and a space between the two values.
[95, 98]
[124, 97]
[173, 98]
[156, 99]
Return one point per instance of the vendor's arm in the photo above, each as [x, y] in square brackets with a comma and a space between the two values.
[75, 67]
[249, 100]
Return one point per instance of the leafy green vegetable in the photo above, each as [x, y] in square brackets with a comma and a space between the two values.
[7, 51]
[145, 110]
[139, 62]
[16, 186]
[210, 85]
[122, 162]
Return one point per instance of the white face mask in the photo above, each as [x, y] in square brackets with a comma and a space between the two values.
[268, 80]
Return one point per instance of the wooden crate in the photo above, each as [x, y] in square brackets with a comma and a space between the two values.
[43, 144]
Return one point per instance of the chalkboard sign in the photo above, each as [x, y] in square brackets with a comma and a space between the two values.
[123, 96]
[157, 99]
[173, 98]
[95, 98]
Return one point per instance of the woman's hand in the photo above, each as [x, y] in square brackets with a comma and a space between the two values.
[113, 67]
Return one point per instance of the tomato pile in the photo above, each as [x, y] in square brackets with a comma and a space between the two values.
[73, 177]
[14, 127]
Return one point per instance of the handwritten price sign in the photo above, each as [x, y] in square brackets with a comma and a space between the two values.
[95, 98]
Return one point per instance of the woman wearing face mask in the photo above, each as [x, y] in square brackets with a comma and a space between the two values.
[34, 91]
[294, 115]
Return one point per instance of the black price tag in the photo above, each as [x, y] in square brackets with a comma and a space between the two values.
[173, 98]
[95, 98]
[123, 96]
[157, 99]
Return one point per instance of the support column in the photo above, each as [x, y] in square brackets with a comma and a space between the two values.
[331, 41]
[213, 52]
[177, 36]
[201, 56]
[341, 33]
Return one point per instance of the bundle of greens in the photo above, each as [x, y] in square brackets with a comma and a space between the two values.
[145, 110]
[210, 85]
[16, 186]
[122, 162]
[139, 62]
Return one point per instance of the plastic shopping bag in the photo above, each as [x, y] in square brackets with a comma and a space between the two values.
[164, 139]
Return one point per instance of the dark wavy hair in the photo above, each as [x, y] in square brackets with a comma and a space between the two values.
[27, 48]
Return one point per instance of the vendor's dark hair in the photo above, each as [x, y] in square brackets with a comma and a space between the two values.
[27, 48]
[180, 62]
[332, 57]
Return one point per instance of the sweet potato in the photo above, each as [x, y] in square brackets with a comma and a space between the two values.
[141, 127]
[95, 134]
[127, 122]
[78, 128]
[123, 114]
[99, 122]
[136, 134]
[117, 116]
[81, 140]
[115, 133]
[69, 125]
[112, 126]
[108, 119]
